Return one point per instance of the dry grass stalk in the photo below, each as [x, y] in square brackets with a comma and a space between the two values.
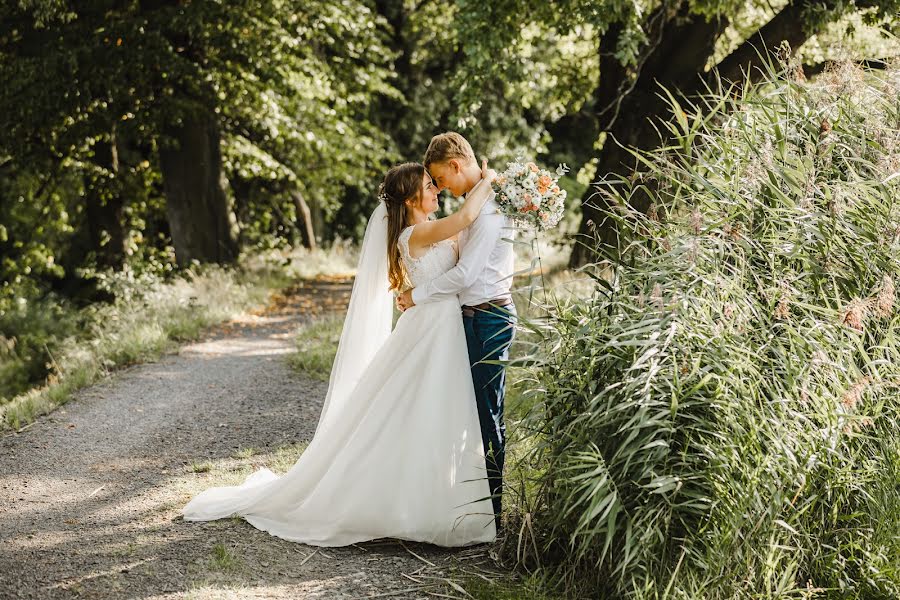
[855, 314]
[696, 221]
[853, 395]
[783, 308]
[656, 295]
[884, 301]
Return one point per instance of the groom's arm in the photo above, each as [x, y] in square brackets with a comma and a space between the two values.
[482, 237]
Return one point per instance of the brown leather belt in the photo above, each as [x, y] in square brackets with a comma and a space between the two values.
[469, 311]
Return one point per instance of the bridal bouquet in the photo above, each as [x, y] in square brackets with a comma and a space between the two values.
[530, 195]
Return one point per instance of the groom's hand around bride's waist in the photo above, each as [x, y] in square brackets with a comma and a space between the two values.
[405, 301]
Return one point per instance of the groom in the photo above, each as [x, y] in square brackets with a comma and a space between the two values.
[482, 280]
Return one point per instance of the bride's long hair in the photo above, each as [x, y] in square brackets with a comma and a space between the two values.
[401, 183]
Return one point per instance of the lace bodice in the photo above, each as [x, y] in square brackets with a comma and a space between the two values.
[439, 259]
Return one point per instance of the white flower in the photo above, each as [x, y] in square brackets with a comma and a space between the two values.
[520, 190]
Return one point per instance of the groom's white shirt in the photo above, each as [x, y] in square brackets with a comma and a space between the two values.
[486, 263]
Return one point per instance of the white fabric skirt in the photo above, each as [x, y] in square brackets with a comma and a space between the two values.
[401, 458]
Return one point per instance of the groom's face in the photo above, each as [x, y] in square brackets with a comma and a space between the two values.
[448, 176]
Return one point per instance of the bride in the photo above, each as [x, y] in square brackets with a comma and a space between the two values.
[397, 451]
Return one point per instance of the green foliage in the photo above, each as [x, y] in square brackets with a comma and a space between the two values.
[854, 35]
[312, 74]
[544, 65]
[720, 417]
[92, 91]
[498, 45]
[31, 228]
[29, 332]
[50, 348]
[310, 97]
[290, 82]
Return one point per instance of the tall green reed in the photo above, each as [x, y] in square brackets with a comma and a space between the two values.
[720, 418]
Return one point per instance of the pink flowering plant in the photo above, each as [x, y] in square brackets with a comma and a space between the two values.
[531, 195]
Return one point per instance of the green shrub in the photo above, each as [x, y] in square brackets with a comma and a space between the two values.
[53, 348]
[719, 420]
[30, 331]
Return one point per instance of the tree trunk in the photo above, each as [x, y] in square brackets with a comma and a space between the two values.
[196, 205]
[242, 190]
[101, 233]
[318, 220]
[683, 43]
[105, 231]
[786, 26]
[573, 137]
[105, 210]
[304, 220]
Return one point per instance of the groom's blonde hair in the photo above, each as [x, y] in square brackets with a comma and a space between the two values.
[447, 146]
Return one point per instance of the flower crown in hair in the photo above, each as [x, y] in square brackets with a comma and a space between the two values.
[383, 197]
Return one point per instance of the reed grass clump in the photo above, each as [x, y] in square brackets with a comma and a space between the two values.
[720, 418]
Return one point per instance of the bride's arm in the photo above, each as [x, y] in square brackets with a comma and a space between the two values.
[430, 232]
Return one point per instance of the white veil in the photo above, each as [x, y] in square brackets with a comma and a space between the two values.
[369, 317]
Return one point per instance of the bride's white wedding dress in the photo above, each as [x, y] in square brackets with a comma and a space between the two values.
[399, 454]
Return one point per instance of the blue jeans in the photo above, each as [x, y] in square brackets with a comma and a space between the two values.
[489, 334]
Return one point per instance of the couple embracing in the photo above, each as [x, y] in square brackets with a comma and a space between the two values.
[411, 441]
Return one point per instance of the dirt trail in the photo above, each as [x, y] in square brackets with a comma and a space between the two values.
[90, 494]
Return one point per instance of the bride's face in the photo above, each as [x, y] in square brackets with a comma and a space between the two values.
[428, 203]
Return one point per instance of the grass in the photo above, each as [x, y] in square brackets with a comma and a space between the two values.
[233, 471]
[245, 453]
[223, 559]
[299, 263]
[531, 587]
[204, 467]
[316, 347]
[137, 330]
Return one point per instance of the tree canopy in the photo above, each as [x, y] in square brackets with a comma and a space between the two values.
[161, 130]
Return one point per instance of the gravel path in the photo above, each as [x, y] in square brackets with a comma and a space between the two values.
[90, 494]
